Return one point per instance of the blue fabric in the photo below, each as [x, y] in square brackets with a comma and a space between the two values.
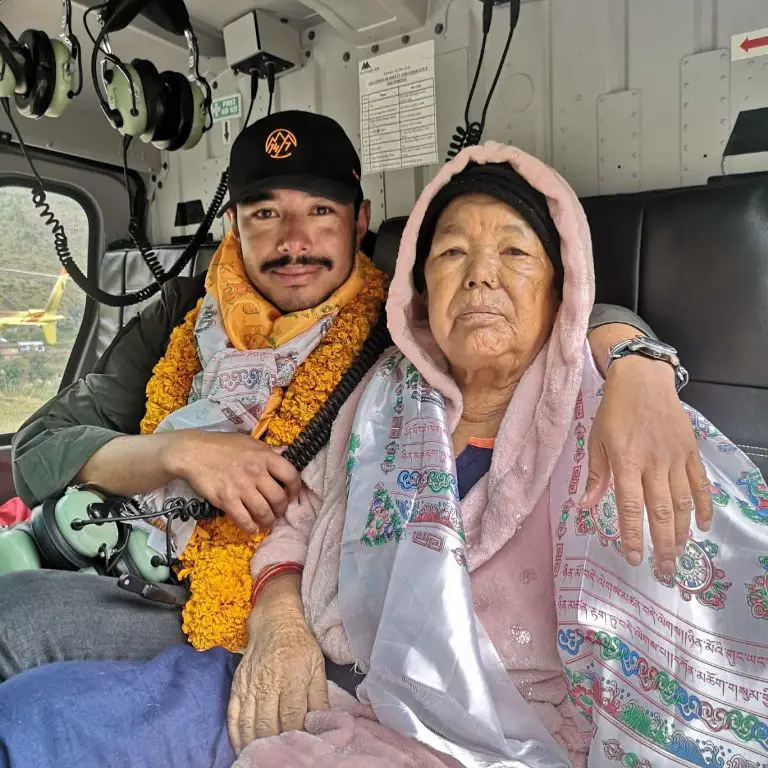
[170, 712]
[166, 713]
[472, 464]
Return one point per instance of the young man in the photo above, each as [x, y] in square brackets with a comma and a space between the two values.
[298, 218]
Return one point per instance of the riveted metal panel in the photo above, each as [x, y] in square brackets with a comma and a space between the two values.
[704, 109]
[618, 129]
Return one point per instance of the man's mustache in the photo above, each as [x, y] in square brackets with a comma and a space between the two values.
[297, 261]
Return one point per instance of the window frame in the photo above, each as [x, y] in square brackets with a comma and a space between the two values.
[89, 322]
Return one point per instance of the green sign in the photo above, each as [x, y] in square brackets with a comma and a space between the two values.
[226, 108]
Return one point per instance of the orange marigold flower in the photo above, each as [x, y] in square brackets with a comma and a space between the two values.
[217, 558]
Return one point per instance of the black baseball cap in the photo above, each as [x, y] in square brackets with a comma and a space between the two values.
[293, 150]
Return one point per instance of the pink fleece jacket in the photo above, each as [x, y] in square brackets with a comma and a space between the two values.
[509, 549]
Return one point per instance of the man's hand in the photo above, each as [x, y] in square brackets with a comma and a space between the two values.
[282, 674]
[244, 477]
[642, 434]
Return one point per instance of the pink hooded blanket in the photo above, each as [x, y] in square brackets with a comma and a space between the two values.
[661, 671]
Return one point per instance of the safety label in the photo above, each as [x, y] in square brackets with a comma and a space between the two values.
[226, 108]
[398, 124]
[746, 45]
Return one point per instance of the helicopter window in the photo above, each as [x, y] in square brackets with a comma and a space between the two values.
[41, 310]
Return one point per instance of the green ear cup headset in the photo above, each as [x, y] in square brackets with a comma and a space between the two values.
[38, 71]
[55, 537]
[133, 95]
[168, 109]
[18, 551]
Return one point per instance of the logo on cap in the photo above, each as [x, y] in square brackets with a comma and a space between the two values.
[280, 144]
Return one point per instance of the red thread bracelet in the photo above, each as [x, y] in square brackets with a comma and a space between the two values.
[271, 571]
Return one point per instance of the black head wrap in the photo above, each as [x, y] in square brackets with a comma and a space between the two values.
[503, 182]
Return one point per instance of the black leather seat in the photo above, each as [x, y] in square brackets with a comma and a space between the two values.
[123, 270]
[694, 264]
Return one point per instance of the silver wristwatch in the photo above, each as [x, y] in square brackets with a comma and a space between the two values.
[653, 349]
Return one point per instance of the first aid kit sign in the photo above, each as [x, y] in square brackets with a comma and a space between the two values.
[226, 108]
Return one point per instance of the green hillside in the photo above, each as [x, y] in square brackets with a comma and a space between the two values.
[26, 244]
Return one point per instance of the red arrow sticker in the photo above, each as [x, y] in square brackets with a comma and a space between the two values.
[746, 45]
[756, 42]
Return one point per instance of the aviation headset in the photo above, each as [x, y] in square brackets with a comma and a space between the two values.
[38, 71]
[168, 109]
[63, 533]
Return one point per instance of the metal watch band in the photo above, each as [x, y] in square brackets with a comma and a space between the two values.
[654, 350]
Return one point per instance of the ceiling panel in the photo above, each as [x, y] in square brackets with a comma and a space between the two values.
[219, 14]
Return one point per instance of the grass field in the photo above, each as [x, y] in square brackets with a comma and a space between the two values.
[28, 270]
[29, 380]
[14, 408]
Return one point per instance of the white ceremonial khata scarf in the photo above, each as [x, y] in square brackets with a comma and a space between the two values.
[432, 673]
[665, 671]
[227, 395]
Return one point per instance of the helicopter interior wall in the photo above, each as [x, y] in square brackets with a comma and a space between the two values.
[618, 95]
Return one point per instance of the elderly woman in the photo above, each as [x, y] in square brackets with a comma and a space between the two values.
[462, 605]
[489, 617]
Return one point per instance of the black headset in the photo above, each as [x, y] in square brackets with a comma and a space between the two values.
[168, 109]
[38, 71]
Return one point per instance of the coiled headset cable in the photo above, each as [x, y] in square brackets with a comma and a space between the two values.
[469, 134]
[64, 254]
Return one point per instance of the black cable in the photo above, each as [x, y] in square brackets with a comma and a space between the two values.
[475, 79]
[169, 542]
[471, 132]
[61, 242]
[254, 92]
[127, 510]
[270, 84]
[112, 560]
[9, 115]
[317, 433]
[514, 17]
[465, 135]
[134, 225]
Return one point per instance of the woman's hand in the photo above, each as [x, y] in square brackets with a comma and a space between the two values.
[642, 434]
[282, 674]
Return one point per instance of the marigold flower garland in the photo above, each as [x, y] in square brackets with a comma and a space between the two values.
[217, 558]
